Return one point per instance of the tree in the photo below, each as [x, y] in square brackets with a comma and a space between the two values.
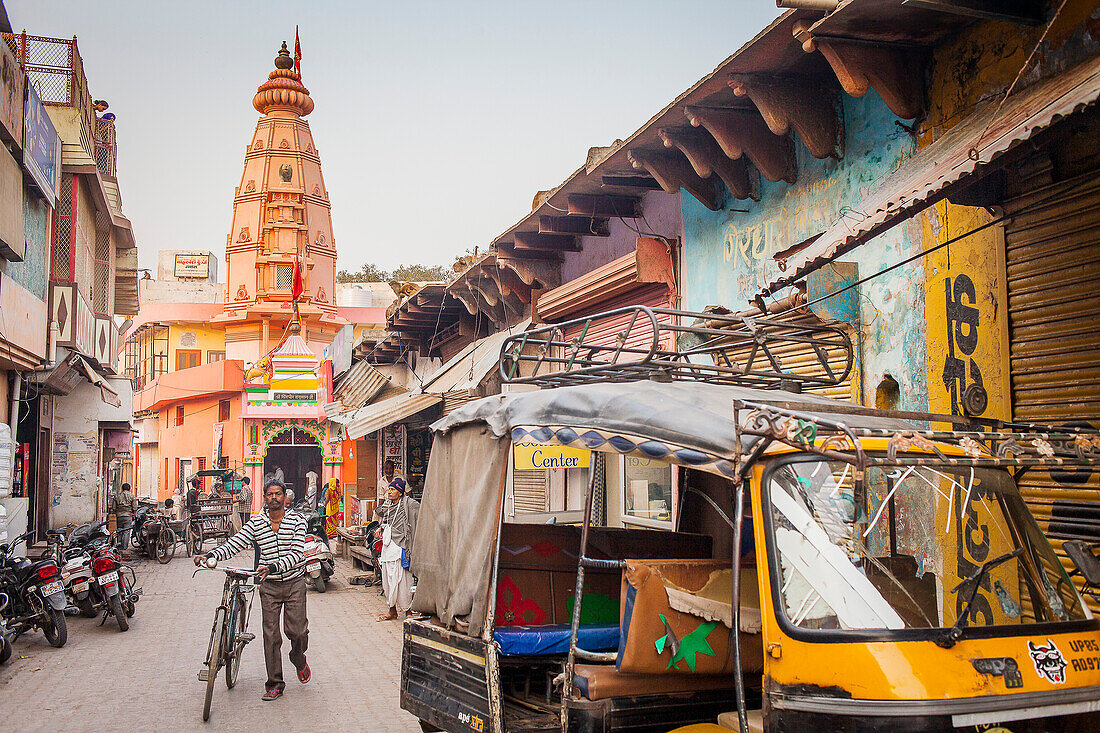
[421, 273]
[368, 273]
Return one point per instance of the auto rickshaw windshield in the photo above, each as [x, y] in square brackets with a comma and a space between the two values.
[906, 549]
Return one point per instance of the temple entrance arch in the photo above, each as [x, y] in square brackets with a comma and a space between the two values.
[297, 452]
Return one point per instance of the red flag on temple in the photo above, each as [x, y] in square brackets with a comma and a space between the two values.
[297, 53]
[297, 287]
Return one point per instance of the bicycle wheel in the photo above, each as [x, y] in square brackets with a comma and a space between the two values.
[233, 646]
[195, 538]
[166, 545]
[214, 658]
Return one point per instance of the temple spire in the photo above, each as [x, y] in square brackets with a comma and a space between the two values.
[283, 90]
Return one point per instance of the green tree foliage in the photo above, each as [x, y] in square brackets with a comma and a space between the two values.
[370, 272]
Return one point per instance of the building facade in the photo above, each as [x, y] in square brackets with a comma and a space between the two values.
[79, 260]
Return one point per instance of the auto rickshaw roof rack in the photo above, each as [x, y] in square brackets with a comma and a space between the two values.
[666, 344]
[985, 443]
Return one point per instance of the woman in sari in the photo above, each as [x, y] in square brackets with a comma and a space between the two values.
[332, 507]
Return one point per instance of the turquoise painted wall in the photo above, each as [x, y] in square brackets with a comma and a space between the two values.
[31, 272]
[728, 253]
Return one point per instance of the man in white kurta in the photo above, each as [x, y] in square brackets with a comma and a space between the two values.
[398, 516]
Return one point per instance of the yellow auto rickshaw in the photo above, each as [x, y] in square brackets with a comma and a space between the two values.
[819, 566]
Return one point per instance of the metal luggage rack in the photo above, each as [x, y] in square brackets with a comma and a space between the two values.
[666, 344]
[985, 443]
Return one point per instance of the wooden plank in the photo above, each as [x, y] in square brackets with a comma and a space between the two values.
[575, 225]
[592, 205]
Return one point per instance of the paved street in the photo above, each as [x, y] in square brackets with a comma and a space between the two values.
[106, 680]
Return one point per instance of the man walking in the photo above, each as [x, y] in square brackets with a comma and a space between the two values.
[125, 506]
[244, 500]
[279, 536]
[398, 517]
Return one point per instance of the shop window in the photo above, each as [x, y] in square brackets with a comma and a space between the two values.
[648, 492]
[187, 358]
[223, 411]
[213, 356]
[179, 415]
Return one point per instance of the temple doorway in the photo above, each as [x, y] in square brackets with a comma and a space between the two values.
[297, 452]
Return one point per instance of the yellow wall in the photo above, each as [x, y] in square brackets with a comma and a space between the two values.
[206, 339]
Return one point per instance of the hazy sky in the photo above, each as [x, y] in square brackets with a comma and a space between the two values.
[436, 121]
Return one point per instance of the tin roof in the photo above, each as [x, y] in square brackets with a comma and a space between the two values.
[930, 175]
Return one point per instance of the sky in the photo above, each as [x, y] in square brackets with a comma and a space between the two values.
[436, 122]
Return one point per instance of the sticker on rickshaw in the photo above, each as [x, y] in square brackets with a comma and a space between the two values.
[1048, 661]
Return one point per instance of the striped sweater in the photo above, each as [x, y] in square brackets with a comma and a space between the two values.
[283, 550]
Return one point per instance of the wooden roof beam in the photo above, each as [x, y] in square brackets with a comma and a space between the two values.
[807, 106]
[593, 205]
[674, 172]
[707, 158]
[553, 242]
[743, 132]
[575, 226]
[626, 180]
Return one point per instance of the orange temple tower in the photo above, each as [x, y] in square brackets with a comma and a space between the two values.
[282, 222]
[281, 212]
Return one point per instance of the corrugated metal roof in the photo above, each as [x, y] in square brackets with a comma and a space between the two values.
[927, 177]
[358, 386]
[371, 418]
[467, 368]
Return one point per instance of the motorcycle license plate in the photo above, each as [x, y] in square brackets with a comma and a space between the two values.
[108, 578]
[80, 587]
[51, 588]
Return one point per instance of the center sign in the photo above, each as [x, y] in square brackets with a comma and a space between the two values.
[536, 456]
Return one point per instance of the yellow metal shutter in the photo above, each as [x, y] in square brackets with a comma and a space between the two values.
[1052, 255]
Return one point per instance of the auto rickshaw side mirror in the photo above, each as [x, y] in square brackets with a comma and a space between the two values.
[1083, 558]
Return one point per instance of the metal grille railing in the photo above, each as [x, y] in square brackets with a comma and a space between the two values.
[284, 277]
[102, 236]
[100, 289]
[62, 231]
[105, 149]
[54, 67]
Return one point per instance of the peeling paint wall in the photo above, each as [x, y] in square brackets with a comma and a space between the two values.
[728, 254]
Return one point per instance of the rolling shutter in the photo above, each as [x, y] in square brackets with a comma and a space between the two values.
[1052, 256]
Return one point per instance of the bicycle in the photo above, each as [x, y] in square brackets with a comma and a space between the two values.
[229, 634]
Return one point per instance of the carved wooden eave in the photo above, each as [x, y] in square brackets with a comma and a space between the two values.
[707, 158]
[805, 105]
[743, 132]
[575, 225]
[895, 71]
[534, 272]
[673, 172]
[628, 180]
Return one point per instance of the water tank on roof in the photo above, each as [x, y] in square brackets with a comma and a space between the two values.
[354, 295]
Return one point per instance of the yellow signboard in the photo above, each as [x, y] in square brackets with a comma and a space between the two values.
[536, 456]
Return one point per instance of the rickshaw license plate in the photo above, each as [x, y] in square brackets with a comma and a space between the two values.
[80, 587]
[108, 578]
[50, 588]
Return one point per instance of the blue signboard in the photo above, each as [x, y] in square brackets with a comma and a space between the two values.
[41, 146]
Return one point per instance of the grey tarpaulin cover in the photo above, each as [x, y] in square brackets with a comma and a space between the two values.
[694, 415]
[452, 553]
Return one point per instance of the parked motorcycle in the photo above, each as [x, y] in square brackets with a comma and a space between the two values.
[36, 595]
[144, 515]
[157, 537]
[319, 560]
[5, 641]
[112, 592]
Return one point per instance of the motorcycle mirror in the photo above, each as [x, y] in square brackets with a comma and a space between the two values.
[211, 563]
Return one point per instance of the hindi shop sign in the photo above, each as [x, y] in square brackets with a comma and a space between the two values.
[196, 266]
[536, 457]
[41, 146]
